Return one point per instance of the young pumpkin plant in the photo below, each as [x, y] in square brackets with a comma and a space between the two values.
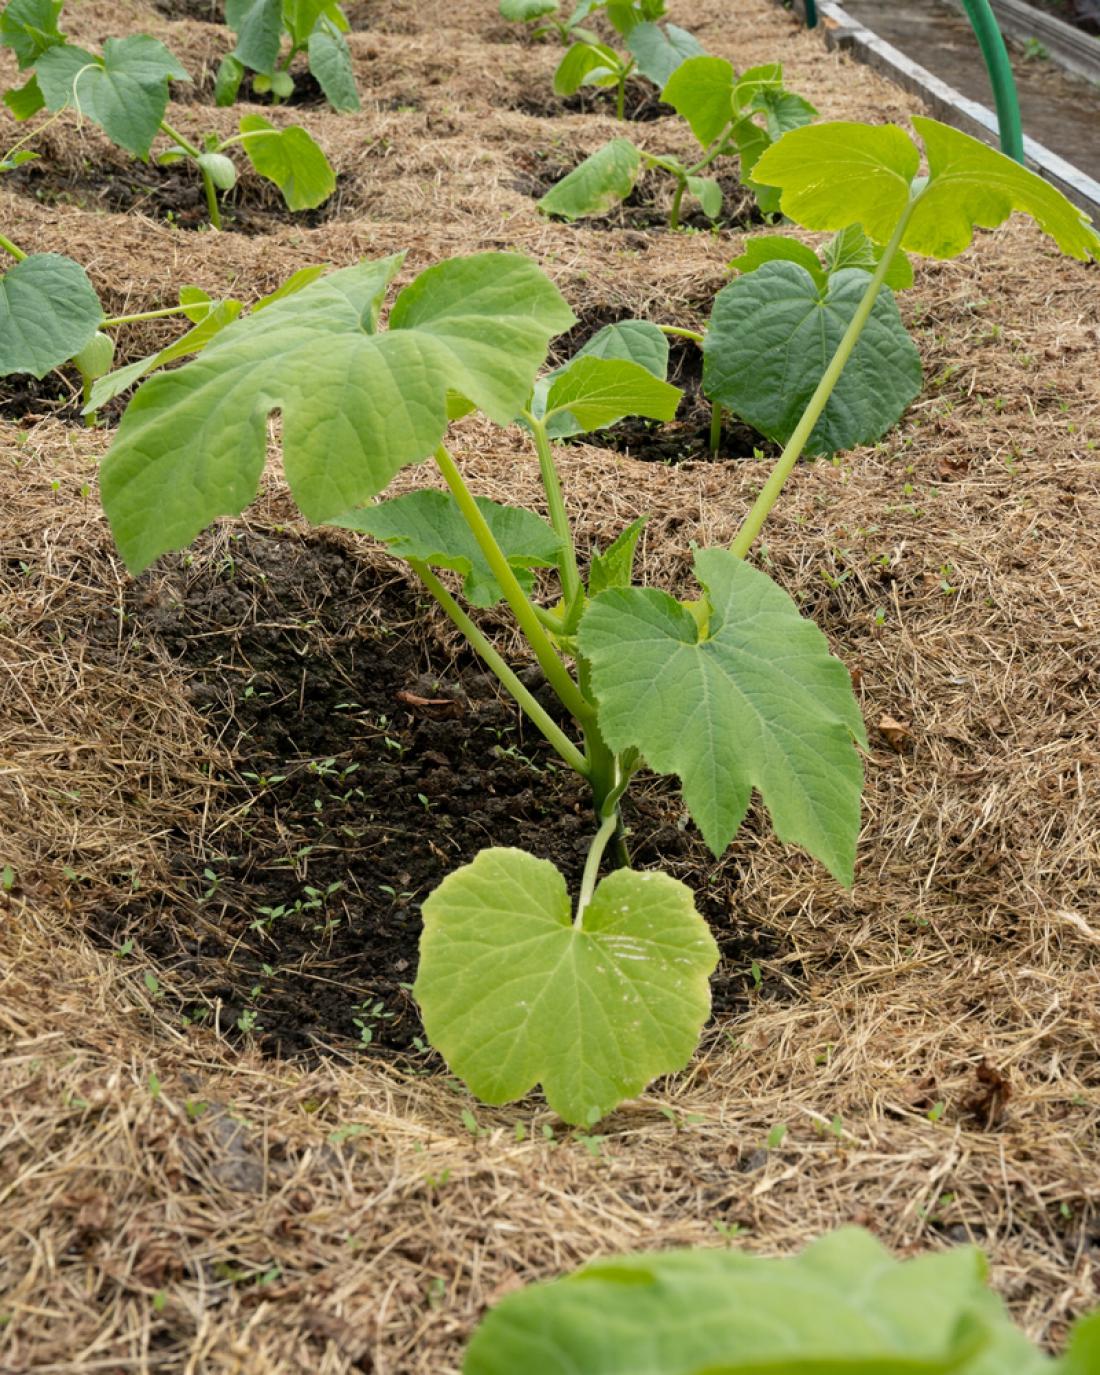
[728, 114]
[731, 691]
[125, 91]
[315, 28]
[843, 1306]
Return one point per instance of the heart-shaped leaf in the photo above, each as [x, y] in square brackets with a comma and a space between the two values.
[701, 89]
[291, 159]
[513, 993]
[125, 91]
[773, 333]
[29, 27]
[755, 702]
[258, 25]
[601, 181]
[330, 62]
[48, 311]
[658, 49]
[429, 527]
[357, 406]
[770, 248]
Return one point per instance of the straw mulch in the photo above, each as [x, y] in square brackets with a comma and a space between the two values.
[171, 1203]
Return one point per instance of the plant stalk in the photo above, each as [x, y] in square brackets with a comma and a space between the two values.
[211, 198]
[537, 714]
[557, 675]
[559, 519]
[191, 149]
[8, 247]
[675, 332]
[715, 427]
[677, 202]
[754, 521]
[592, 865]
[143, 315]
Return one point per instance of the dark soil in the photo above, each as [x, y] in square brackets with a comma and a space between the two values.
[643, 103]
[647, 205]
[369, 763]
[1085, 14]
[174, 194]
[26, 399]
[687, 437]
[208, 11]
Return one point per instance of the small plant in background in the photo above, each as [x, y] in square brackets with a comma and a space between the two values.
[728, 114]
[843, 1305]
[313, 27]
[730, 690]
[653, 50]
[125, 91]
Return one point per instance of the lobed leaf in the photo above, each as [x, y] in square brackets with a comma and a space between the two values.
[429, 527]
[755, 701]
[49, 310]
[357, 406]
[125, 91]
[658, 49]
[615, 566]
[843, 1306]
[513, 994]
[773, 333]
[26, 100]
[291, 159]
[601, 181]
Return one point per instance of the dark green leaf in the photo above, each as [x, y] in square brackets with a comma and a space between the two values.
[776, 247]
[429, 527]
[659, 49]
[783, 111]
[291, 159]
[258, 25]
[48, 311]
[26, 100]
[330, 62]
[29, 28]
[773, 333]
[601, 181]
[852, 248]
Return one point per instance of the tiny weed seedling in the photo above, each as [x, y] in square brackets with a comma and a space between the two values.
[728, 114]
[653, 50]
[842, 1305]
[731, 690]
[315, 28]
[125, 91]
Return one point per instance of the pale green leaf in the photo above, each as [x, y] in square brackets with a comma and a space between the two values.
[48, 312]
[1083, 1353]
[852, 248]
[633, 341]
[514, 994]
[843, 1306]
[197, 303]
[659, 49]
[291, 159]
[125, 91]
[754, 82]
[330, 62]
[708, 193]
[768, 248]
[756, 702]
[601, 181]
[29, 27]
[773, 333]
[357, 406]
[586, 64]
[227, 82]
[701, 89]
[595, 392]
[429, 527]
[523, 11]
[301, 17]
[297, 281]
[836, 174]
[615, 566]
[970, 186]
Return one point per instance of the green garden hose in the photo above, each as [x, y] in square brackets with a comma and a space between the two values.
[992, 44]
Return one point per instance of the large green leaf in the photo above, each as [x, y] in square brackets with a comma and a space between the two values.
[773, 333]
[29, 27]
[701, 89]
[843, 1306]
[357, 406]
[840, 173]
[48, 311]
[632, 341]
[586, 64]
[291, 159]
[658, 49]
[125, 91]
[770, 248]
[595, 392]
[601, 181]
[429, 527]
[514, 994]
[971, 185]
[755, 701]
[330, 62]
[258, 25]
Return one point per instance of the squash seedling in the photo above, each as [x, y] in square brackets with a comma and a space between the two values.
[730, 691]
[653, 50]
[728, 114]
[844, 1304]
[125, 91]
[316, 28]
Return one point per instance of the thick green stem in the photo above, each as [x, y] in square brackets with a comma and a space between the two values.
[188, 147]
[539, 717]
[761, 508]
[8, 247]
[715, 427]
[675, 332]
[677, 202]
[592, 865]
[559, 519]
[211, 198]
[557, 675]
